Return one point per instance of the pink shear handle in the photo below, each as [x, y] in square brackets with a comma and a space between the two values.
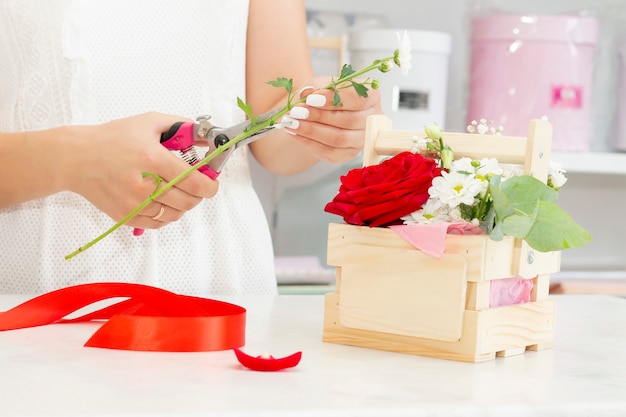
[180, 137]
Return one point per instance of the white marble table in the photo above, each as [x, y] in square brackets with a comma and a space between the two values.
[46, 372]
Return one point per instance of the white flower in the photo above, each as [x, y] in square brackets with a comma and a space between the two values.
[511, 170]
[488, 167]
[420, 145]
[433, 211]
[433, 131]
[402, 56]
[484, 127]
[556, 175]
[454, 188]
[455, 215]
[462, 165]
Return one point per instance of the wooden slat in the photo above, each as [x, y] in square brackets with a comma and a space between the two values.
[507, 149]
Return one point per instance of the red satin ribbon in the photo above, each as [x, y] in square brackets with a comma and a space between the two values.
[151, 319]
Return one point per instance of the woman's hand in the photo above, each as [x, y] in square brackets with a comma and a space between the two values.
[318, 131]
[109, 161]
[332, 133]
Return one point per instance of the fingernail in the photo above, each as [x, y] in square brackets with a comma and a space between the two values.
[305, 88]
[299, 113]
[289, 123]
[315, 100]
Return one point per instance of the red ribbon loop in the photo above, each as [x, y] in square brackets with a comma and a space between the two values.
[151, 319]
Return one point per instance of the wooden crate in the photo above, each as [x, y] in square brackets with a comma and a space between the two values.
[391, 296]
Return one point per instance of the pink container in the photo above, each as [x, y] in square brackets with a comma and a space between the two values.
[528, 67]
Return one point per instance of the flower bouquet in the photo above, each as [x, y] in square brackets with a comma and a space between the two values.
[448, 243]
[427, 186]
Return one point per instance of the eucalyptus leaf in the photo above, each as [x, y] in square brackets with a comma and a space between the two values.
[554, 229]
[520, 223]
[524, 191]
[526, 208]
[502, 205]
[496, 233]
[487, 223]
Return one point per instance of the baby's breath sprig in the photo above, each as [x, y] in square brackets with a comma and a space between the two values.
[401, 57]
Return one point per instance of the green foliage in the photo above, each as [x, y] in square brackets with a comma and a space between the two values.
[282, 82]
[526, 208]
[247, 109]
[337, 98]
[346, 71]
[360, 89]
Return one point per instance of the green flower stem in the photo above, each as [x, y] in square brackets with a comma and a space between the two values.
[254, 129]
[364, 70]
[159, 191]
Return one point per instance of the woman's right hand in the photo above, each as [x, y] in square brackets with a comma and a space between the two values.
[108, 161]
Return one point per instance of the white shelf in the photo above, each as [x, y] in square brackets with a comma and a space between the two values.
[592, 162]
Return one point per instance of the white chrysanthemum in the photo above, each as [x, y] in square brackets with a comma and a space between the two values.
[454, 188]
[511, 170]
[488, 167]
[433, 211]
[483, 169]
[403, 56]
[462, 165]
[556, 175]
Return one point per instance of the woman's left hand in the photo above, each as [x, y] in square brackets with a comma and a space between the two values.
[332, 133]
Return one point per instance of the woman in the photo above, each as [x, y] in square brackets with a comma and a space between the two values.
[86, 89]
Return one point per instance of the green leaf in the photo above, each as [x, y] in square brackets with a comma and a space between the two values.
[502, 206]
[282, 82]
[488, 222]
[337, 99]
[519, 223]
[360, 89]
[247, 109]
[554, 230]
[496, 233]
[524, 191]
[526, 208]
[346, 71]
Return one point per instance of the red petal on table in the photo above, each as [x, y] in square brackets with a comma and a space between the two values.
[259, 363]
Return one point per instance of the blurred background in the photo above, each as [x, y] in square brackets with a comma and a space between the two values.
[565, 61]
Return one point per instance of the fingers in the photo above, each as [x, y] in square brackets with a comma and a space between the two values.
[156, 215]
[170, 166]
[334, 133]
[349, 100]
[195, 184]
[171, 205]
[350, 114]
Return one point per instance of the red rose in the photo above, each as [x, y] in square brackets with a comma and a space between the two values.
[381, 194]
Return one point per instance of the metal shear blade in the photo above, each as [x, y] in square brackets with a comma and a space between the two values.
[215, 137]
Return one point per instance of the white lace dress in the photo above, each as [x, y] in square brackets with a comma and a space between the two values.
[83, 62]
